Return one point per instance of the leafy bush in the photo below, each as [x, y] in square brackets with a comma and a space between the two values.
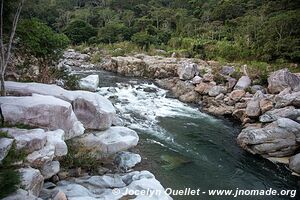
[9, 179]
[79, 31]
[70, 81]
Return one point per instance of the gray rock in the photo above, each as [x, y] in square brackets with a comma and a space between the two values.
[31, 180]
[92, 109]
[196, 80]
[243, 83]
[278, 139]
[216, 90]
[227, 70]
[56, 139]
[108, 142]
[256, 88]
[5, 145]
[21, 194]
[187, 71]
[28, 140]
[127, 160]
[105, 181]
[90, 83]
[253, 106]
[294, 163]
[286, 98]
[287, 112]
[50, 169]
[42, 111]
[282, 79]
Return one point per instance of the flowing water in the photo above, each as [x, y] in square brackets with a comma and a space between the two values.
[186, 148]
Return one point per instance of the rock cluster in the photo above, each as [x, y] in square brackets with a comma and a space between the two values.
[84, 119]
[270, 116]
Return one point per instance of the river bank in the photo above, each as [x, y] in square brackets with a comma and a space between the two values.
[176, 140]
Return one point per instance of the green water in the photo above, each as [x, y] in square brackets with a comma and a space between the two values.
[185, 148]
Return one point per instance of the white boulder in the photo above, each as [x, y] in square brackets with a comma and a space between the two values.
[90, 83]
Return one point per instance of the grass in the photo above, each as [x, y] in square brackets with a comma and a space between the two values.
[80, 157]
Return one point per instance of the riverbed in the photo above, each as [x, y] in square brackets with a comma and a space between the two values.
[186, 148]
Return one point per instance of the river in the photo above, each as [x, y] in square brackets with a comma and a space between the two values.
[186, 148]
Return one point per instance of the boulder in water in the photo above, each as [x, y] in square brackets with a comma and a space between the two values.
[90, 83]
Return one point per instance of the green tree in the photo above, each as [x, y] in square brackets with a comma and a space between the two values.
[79, 31]
[41, 41]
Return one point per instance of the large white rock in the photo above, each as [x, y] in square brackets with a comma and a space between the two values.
[92, 109]
[243, 83]
[42, 111]
[56, 138]
[39, 158]
[28, 140]
[90, 83]
[110, 141]
[5, 145]
[31, 180]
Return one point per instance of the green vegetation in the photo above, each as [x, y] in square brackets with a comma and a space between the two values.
[235, 30]
[9, 177]
[81, 157]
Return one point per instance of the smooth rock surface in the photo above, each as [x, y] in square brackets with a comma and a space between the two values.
[28, 140]
[127, 160]
[294, 163]
[278, 139]
[90, 83]
[42, 111]
[243, 83]
[92, 109]
[31, 180]
[286, 112]
[21, 194]
[110, 141]
[50, 169]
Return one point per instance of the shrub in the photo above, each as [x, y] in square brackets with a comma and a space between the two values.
[79, 31]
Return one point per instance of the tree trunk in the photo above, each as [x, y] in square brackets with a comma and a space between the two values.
[3, 92]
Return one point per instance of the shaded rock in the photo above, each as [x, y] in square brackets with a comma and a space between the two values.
[110, 141]
[187, 71]
[287, 112]
[42, 111]
[92, 109]
[182, 87]
[21, 194]
[231, 82]
[282, 79]
[239, 114]
[50, 169]
[31, 180]
[243, 83]
[227, 70]
[5, 145]
[208, 77]
[28, 140]
[127, 160]
[105, 181]
[220, 97]
[236, 95]
[216, 90]
[196, 80]
[256, 88]
[90, 83]
[294, 163]
[278, 139]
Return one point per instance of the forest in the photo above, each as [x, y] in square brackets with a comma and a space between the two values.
[231, 30]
